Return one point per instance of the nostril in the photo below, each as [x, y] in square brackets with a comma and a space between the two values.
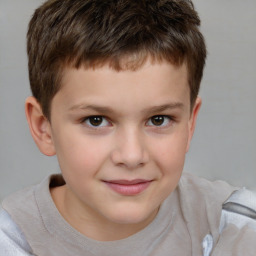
[129, 159]
[130, 150]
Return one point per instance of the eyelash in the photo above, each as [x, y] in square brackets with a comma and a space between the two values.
[87, 121]
[89, 118]
[169, 118]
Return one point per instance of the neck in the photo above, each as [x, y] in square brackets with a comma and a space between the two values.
[90, 223]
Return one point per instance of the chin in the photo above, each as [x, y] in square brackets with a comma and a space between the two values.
[129, 216]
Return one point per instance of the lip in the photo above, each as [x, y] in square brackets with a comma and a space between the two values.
[128, 187]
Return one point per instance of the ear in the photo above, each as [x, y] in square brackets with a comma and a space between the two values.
[192, 121]
[40, 127]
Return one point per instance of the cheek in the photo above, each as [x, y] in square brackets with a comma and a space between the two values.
[80, 155]
[170, 157]
[170, 152]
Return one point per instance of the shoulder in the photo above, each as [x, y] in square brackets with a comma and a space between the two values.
[18, 199]
[240, 209]
[201, 203]
[27, 212]
[28, 200]
[238, 225]
[12, 240]
[230, 211]
[238, 205]
[209, 190]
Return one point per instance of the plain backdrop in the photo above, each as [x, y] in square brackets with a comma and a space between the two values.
[224, 144]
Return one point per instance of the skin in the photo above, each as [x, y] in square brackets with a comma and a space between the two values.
[143, 131]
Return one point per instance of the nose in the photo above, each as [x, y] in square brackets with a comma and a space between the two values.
[130, 150]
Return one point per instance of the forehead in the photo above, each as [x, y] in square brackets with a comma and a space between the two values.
[150, 69]
[153, 84]
[133, 63]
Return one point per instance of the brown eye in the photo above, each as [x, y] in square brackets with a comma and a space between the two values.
[159, 121]
[96, 121]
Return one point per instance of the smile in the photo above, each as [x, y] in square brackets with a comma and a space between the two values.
[128, 188]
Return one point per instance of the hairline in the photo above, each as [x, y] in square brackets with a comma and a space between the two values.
[135, 65]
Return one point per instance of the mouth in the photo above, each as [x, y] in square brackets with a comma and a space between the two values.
[128, 187]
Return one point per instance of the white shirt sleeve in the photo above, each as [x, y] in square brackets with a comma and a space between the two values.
[12, 240]
[240, 210]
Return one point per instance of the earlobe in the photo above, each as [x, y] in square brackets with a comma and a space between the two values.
[39, 126]
[192, 121]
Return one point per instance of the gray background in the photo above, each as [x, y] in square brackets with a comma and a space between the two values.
[224, 145]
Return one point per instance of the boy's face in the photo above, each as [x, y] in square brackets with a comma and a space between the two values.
[121, 139]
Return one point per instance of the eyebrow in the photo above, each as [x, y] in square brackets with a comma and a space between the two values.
[161, 108]
[106, 110]
[101, 109]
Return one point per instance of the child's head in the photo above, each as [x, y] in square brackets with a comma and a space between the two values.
[115, 84]
[120, 33]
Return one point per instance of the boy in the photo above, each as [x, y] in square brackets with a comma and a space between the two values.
[115, 87]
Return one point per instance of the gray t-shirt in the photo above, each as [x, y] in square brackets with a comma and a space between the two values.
[187, 224]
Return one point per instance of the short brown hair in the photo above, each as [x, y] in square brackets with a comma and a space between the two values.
[95, 32]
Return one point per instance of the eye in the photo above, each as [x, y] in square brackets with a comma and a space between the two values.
[96, 121]
[160, 120]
